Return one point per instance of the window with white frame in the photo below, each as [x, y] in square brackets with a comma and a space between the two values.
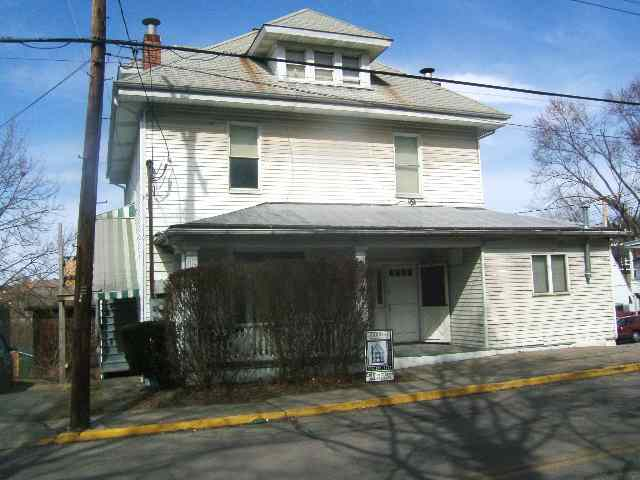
[407, 160]
[549, 274]
[320, 73]
[350, 76]
[243, 156]
[295, 70]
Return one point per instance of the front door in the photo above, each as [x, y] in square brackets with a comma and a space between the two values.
[402, 303]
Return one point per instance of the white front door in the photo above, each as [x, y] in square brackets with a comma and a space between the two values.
[402, 303]
[434, 304]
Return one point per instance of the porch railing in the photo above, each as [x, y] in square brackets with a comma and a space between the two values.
[251, 343]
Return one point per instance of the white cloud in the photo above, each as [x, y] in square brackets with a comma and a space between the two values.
[491, 96]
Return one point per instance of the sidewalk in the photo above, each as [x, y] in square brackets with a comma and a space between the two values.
[471, 372]
[437, 377]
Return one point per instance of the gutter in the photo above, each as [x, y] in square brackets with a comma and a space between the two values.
[134, 87]
[255, 230]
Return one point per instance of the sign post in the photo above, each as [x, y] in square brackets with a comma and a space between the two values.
[379, 356]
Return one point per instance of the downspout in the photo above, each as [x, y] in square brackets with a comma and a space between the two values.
[587, 244]
[150, 212]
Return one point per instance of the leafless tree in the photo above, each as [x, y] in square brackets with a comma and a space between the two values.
[587, 157]
[26, 205]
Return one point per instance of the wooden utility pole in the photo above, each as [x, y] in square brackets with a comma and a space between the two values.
[62, 319]
[81, 343]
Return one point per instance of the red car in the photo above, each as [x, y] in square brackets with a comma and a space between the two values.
[629, 328]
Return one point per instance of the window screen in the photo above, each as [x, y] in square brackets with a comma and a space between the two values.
[540, 277]
[293, 70]
[558, 273]
[243, 161]
[432, 280]
[323, 74]
[407, 168]
[350, 76]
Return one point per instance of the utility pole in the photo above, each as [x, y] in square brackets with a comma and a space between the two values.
[81, 344]
[62, 319]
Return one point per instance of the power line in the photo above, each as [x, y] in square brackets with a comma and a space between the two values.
[606, 7]
[149, 102]
[36, 59]
[17, 114]
[73, 17]
[300, 90]
[272, 59]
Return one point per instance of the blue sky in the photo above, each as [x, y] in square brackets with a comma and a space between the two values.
[544, 44]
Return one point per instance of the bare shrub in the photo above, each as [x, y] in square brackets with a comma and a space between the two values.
[201, 310]
[315, 313]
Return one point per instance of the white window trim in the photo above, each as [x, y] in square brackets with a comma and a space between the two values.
[551, 293]
[310, 75]
[420, 194]
[252, 191]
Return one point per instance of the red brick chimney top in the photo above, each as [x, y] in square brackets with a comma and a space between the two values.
[151, 56]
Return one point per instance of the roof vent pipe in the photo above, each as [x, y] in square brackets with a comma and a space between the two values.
[151, 56]
[428, 72]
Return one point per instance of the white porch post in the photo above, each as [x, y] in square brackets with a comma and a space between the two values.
[361, 260]
[189, 259]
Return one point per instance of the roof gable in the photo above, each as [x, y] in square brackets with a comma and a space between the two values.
[312, 20]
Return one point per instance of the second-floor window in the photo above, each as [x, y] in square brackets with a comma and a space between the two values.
[323, 74]
[243, 156]
[407, 165]
[350, 76]
[295, 70]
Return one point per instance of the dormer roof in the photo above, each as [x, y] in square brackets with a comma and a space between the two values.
[311, 27]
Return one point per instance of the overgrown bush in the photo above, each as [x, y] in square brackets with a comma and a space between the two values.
[202, 306]
[315, 313]
[145, 347]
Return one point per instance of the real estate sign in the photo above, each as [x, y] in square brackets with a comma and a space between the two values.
[379, 355]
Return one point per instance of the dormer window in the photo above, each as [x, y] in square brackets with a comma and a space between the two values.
[295, 70]
[350, 76]
[323, 74]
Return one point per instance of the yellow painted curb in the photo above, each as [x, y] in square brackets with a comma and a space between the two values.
[398, 399]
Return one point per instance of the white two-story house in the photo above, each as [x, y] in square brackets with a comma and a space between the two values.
[252, 159]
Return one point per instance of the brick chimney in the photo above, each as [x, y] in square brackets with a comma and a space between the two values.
[151, 56]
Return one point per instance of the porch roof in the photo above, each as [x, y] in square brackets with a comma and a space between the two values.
[363, 218]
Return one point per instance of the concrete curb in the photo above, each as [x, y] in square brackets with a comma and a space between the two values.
[391, 400]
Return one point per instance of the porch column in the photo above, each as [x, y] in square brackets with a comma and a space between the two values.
[361, 281]
[189, 259]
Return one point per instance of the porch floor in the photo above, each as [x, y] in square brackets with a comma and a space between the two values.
[422, 349]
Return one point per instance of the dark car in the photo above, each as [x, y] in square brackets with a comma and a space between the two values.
[629, 328]
[6, 365]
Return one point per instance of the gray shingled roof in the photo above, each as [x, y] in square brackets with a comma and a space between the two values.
[206, 73]
[376, 217]
[311, 20]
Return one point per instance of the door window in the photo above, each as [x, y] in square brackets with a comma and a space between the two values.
[433, 286]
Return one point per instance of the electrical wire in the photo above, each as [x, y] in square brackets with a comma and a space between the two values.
[606, 7]
[337, 97]
[130, 43]
[20, 112]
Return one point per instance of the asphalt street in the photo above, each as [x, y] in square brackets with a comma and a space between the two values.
[584, 429]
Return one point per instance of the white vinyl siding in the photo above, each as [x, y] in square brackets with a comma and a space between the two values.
[466, 300]
[518, 318]
[302, 159]
[407, 161]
